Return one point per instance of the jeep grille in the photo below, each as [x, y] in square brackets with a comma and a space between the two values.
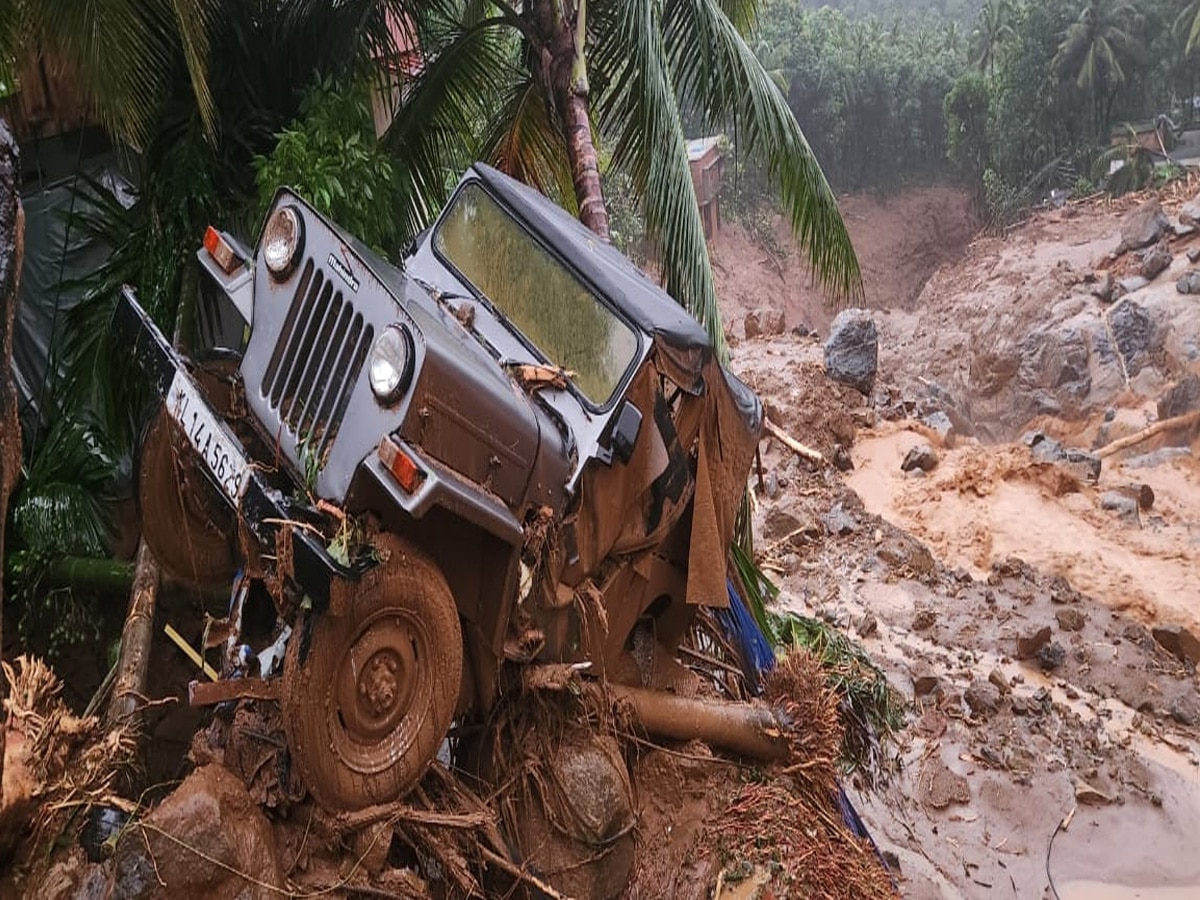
[316, 361]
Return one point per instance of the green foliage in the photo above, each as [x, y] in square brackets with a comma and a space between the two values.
[871, 710]
[329, 155]
[967, 110]
[869, 92]
[1004, 203]
[60, 505]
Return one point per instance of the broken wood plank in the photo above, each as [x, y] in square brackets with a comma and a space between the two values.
[1184, 421]
[815, 456]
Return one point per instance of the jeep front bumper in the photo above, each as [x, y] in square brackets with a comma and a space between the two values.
[260, 507]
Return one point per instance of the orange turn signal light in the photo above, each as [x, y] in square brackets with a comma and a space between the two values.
[220, 250]
[406, 472]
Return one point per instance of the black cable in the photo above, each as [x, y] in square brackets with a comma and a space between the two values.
[1061, 826]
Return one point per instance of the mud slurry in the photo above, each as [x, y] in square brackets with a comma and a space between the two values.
[1030, 696]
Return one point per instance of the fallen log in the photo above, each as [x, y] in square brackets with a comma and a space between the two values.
[815, 456]
[1185, 421]
[93, 576]
[130, 687]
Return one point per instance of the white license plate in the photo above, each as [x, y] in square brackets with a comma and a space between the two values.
[209, 436]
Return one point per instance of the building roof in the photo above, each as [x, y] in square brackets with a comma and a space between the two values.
[698, 147]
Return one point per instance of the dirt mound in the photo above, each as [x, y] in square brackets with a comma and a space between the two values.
[900, 241]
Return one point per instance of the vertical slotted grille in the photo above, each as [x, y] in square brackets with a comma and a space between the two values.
[316, 361]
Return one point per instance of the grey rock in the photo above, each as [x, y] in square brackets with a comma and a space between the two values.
[1179, 642]
[1135, 334]
[852, 350]
[771, 485]
[1051, 656]
[1128, 285]
[1071, 619]
[1047, 449]
[941, 423]
[1190, 213]
[1122, 504]
[1102, 290]
[1155, 261]
[1156, 458]
[1185, 711]
[839, 522]
[1143, 226]
[1193, 255]
[1189, 283]
[1182, 231]
[922, 457]
[1033, 640]
[1181, 398]
[983, 698]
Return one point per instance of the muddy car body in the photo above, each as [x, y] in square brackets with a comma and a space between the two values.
[537, 441]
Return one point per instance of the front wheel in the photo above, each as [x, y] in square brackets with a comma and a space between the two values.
[369, 694]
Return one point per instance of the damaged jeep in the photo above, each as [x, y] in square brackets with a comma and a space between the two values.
[513, 450]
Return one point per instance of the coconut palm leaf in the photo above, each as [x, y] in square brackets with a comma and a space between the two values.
[638, 105]
[466, 80]
[525, 142]
[726, 81]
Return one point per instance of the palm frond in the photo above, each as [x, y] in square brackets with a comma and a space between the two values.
[460, 89]
[524, 141]
[714, 67]
[638, 105]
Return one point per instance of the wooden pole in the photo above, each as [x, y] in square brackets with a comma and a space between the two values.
[1185, 421]
[130, 686]
[12, 245]
[815, 456]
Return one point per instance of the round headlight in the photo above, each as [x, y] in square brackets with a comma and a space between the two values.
[390, 365]
[282, 241]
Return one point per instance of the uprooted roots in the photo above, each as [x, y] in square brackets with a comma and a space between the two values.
[56, 765]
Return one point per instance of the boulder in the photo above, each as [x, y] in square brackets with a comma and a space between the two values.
[941, 423]
[1182, 231]
[1128, 285]
[1071, 619]
[1122, 504]
[922, 457]
[1190, 214]
[852, 350]
[1135, 334]
[1033, 640]
[1189, 283]
[794, 524]
[1102, 290]
[193, 842]
[1046, 449]
[1051, 656]
[1143, 226]
[1193, 255]
[1155, 261]
[983, 698]
[1181, 398]
[752, 325]
[1179, 642]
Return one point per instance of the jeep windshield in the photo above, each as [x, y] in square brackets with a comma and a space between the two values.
[544, 300]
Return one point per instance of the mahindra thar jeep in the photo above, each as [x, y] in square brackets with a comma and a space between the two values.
[514, 449]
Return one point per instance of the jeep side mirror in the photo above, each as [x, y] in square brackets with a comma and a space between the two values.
[623, 435]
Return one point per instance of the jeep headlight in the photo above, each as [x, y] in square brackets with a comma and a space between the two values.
[390, 365]
[282, 241]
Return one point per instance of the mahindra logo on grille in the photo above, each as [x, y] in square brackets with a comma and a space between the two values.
[344, 271]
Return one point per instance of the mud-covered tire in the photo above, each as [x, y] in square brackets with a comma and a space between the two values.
[188, 526]
[368, 694]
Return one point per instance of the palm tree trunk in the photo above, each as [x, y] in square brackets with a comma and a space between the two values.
[12, 242]
[564, 31]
